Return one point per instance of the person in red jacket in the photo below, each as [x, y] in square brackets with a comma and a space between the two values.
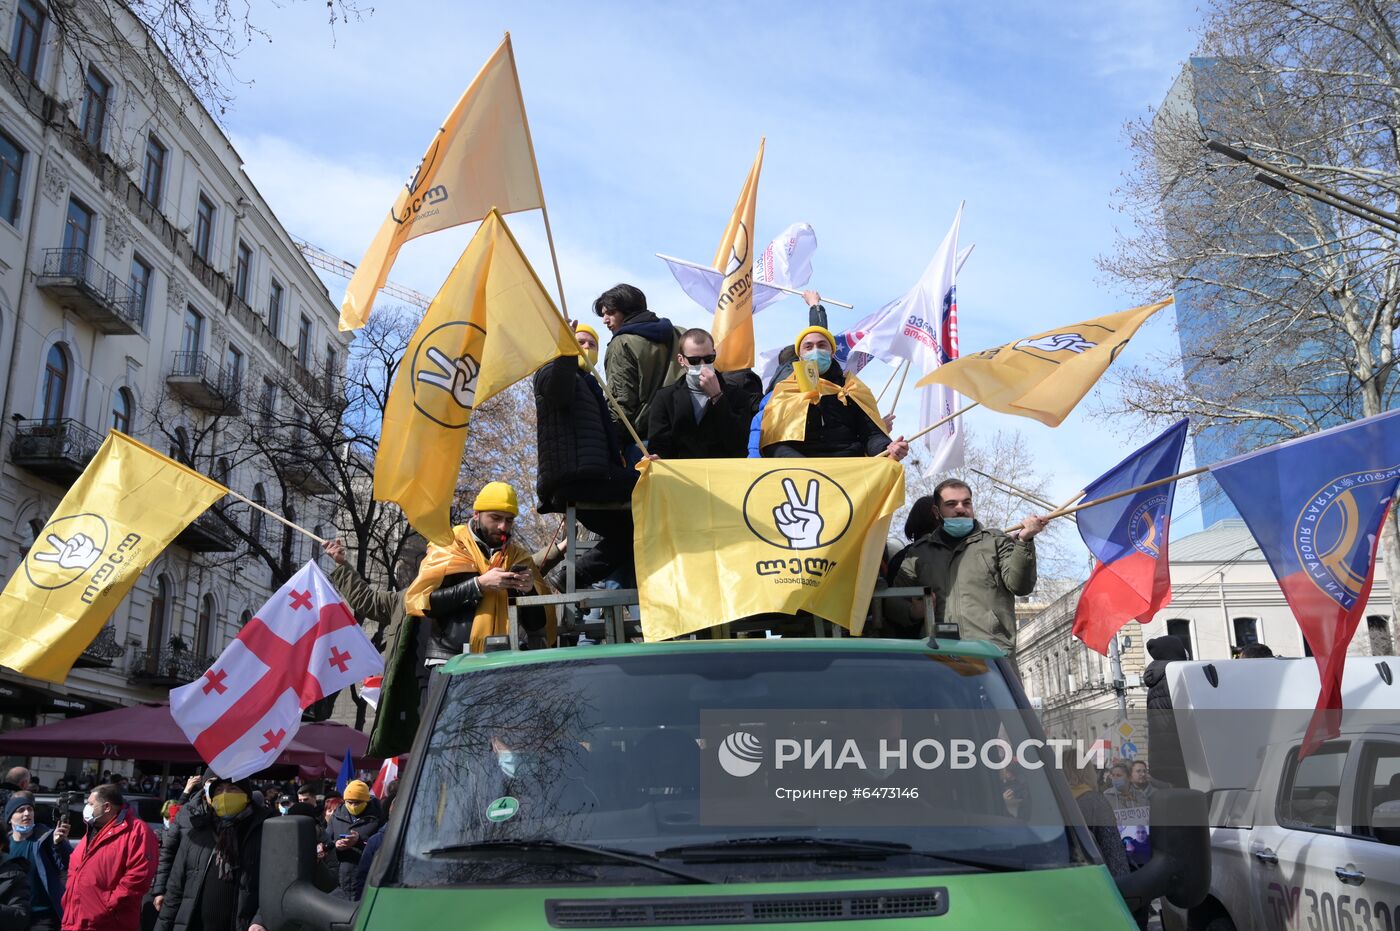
[112, 868]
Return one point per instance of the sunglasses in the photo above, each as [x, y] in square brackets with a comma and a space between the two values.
[701, 360]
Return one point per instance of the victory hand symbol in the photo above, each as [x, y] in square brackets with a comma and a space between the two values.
[799, 520]
[77, 552]
[456, 377]
[1058, 342]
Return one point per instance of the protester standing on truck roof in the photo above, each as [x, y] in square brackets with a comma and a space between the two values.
[975, 572]
[836, 418]
[705, 414]
[641, 354]
[581, 461]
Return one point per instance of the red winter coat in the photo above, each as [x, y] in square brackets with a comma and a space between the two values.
[109, 874]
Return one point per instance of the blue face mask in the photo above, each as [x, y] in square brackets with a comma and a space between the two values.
[819, 356]
[957, 527]
[22, 828]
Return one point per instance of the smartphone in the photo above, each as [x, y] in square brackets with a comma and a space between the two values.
[521, 568]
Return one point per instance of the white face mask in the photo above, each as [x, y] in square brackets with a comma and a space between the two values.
[89, 813]
[692, 375]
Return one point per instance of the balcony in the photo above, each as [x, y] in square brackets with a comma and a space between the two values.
[206, 534]
[78, 281]
[102, 651]
[203, 384]
[57, 450]
[167, 668]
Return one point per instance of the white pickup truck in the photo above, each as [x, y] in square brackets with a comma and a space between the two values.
[1312, 844]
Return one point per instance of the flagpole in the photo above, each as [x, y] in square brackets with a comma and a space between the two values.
[1065, 510]
[277, 517]
[900, 390]
[935, 426]
[890, 381]
[1023, 494]
[775, 287]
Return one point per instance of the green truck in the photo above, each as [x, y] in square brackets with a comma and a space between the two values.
[697, 784]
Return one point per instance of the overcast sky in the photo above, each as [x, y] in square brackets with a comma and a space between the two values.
[879, 118]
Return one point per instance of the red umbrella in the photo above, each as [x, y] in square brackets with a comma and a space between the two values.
[333, 739]
[137, 732]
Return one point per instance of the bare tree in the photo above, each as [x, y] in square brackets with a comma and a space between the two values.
[1287, 308]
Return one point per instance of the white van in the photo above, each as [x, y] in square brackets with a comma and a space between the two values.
[1312, 844]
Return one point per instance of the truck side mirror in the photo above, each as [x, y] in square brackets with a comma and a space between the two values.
[1180, 864]
[287, 896]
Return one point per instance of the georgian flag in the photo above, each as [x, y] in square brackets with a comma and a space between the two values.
[303, 645]
[388, 772]
[369, 690]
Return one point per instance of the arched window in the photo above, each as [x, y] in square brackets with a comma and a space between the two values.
[1180, 628]
[222, 470]
[204, 628]
[55, 383]
[121, 410]
[255, 519]
[1378, 628]
[244, 618]
[1246, 631]
[160, 614]
[180, 446]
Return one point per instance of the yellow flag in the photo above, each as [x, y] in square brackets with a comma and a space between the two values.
[721, 539]
[734, 309]
[490, 325]
[125, 508]
[1046, 375]
[480, 158]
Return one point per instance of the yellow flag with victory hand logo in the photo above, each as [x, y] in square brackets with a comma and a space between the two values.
[490, 325]
[721, 539]
[1043, 376]
[126, 507]
[734, 307]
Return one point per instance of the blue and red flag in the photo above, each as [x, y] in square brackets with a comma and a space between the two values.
[1316, 506]
[1128, 537]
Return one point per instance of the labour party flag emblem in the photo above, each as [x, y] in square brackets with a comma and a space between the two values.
[303, 645]
[1316, 506]
[1128, 537]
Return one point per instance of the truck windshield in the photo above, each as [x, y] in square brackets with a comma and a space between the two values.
[611, 770]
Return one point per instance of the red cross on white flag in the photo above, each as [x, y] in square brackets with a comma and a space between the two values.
[303, 645]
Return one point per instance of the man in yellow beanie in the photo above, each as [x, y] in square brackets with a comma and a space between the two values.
[352, 824]
[464, 588]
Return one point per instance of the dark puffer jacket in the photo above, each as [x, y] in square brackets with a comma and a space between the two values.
[579, 453]
[14, 894]
[195, 859]
[1163, 744]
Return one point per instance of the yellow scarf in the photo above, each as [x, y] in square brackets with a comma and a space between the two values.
[464, 555]
[785, 416]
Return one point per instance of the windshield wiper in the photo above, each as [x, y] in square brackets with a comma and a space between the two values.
[768, 848]
[559, 846]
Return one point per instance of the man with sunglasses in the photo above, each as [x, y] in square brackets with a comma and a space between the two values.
[704, 415]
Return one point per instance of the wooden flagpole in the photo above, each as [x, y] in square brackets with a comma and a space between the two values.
[890, 381]
[900, 389]
[1065, 510]
[278, 517]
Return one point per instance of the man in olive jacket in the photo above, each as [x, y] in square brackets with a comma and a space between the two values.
[641, 355]
[975, 572]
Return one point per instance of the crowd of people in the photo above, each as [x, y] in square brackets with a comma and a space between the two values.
[199, 872]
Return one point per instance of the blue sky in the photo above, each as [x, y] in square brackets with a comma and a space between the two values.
[879, 119]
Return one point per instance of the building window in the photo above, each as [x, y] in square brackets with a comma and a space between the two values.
[11, 168]
[77, 227]
[1246, 631]
[153, 175]
[29, 36]
[160, 614]
[222, 470]
[121, 410]
[204, 627]
[233, 368]
[332, 365]
[204, 228]
[255, 518]
[193, 336]
[180, 447]
[268, 404]
[55, 383]
[244, 618]
[140, 285]
[1180, 628]
[97, 92]
[1378, 627]
[274, 309]
[243, 271]
[304, 342]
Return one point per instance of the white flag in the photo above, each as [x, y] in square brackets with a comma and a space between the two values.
[785, 262]
[303, 645]
[922, 328]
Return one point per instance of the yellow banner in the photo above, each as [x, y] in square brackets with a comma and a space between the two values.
[490, 325]
[734, 309]
[126, 507]
[1044, 376]
[721, 539]
[480, 158]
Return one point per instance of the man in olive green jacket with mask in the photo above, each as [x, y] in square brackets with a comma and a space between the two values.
[975, 572]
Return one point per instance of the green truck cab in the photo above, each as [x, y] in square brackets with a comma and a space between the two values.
[644, 786]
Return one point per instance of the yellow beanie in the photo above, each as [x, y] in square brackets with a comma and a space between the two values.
[820, 330]
[585, 328]
[356, 791]
[497, 496]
